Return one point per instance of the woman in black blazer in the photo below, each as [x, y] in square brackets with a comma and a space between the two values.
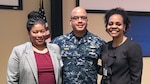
[121, 58]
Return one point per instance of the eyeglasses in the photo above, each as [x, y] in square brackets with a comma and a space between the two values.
[76, 18]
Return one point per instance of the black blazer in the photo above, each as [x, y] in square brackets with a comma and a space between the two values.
[122, 64]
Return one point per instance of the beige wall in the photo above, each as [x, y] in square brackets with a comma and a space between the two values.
[13, 30]
[96, 25]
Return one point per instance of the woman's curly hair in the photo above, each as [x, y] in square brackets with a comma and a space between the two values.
[34, 18]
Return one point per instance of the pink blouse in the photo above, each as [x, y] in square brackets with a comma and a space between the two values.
[45, 68]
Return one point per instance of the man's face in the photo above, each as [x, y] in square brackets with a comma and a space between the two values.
[79, 20]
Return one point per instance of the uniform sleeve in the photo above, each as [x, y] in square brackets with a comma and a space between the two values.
[13, 68]
[55, 40]
[99, 67]
[135, 63]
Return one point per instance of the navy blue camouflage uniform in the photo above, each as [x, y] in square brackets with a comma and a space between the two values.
[79, 57]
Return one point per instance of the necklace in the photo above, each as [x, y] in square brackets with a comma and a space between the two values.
[44, 50]
[116, 44]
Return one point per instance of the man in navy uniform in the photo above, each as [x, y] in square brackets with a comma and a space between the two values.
[80, 50]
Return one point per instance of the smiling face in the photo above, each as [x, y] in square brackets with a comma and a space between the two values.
[78, 20]
[115, 27]
[37, 35]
